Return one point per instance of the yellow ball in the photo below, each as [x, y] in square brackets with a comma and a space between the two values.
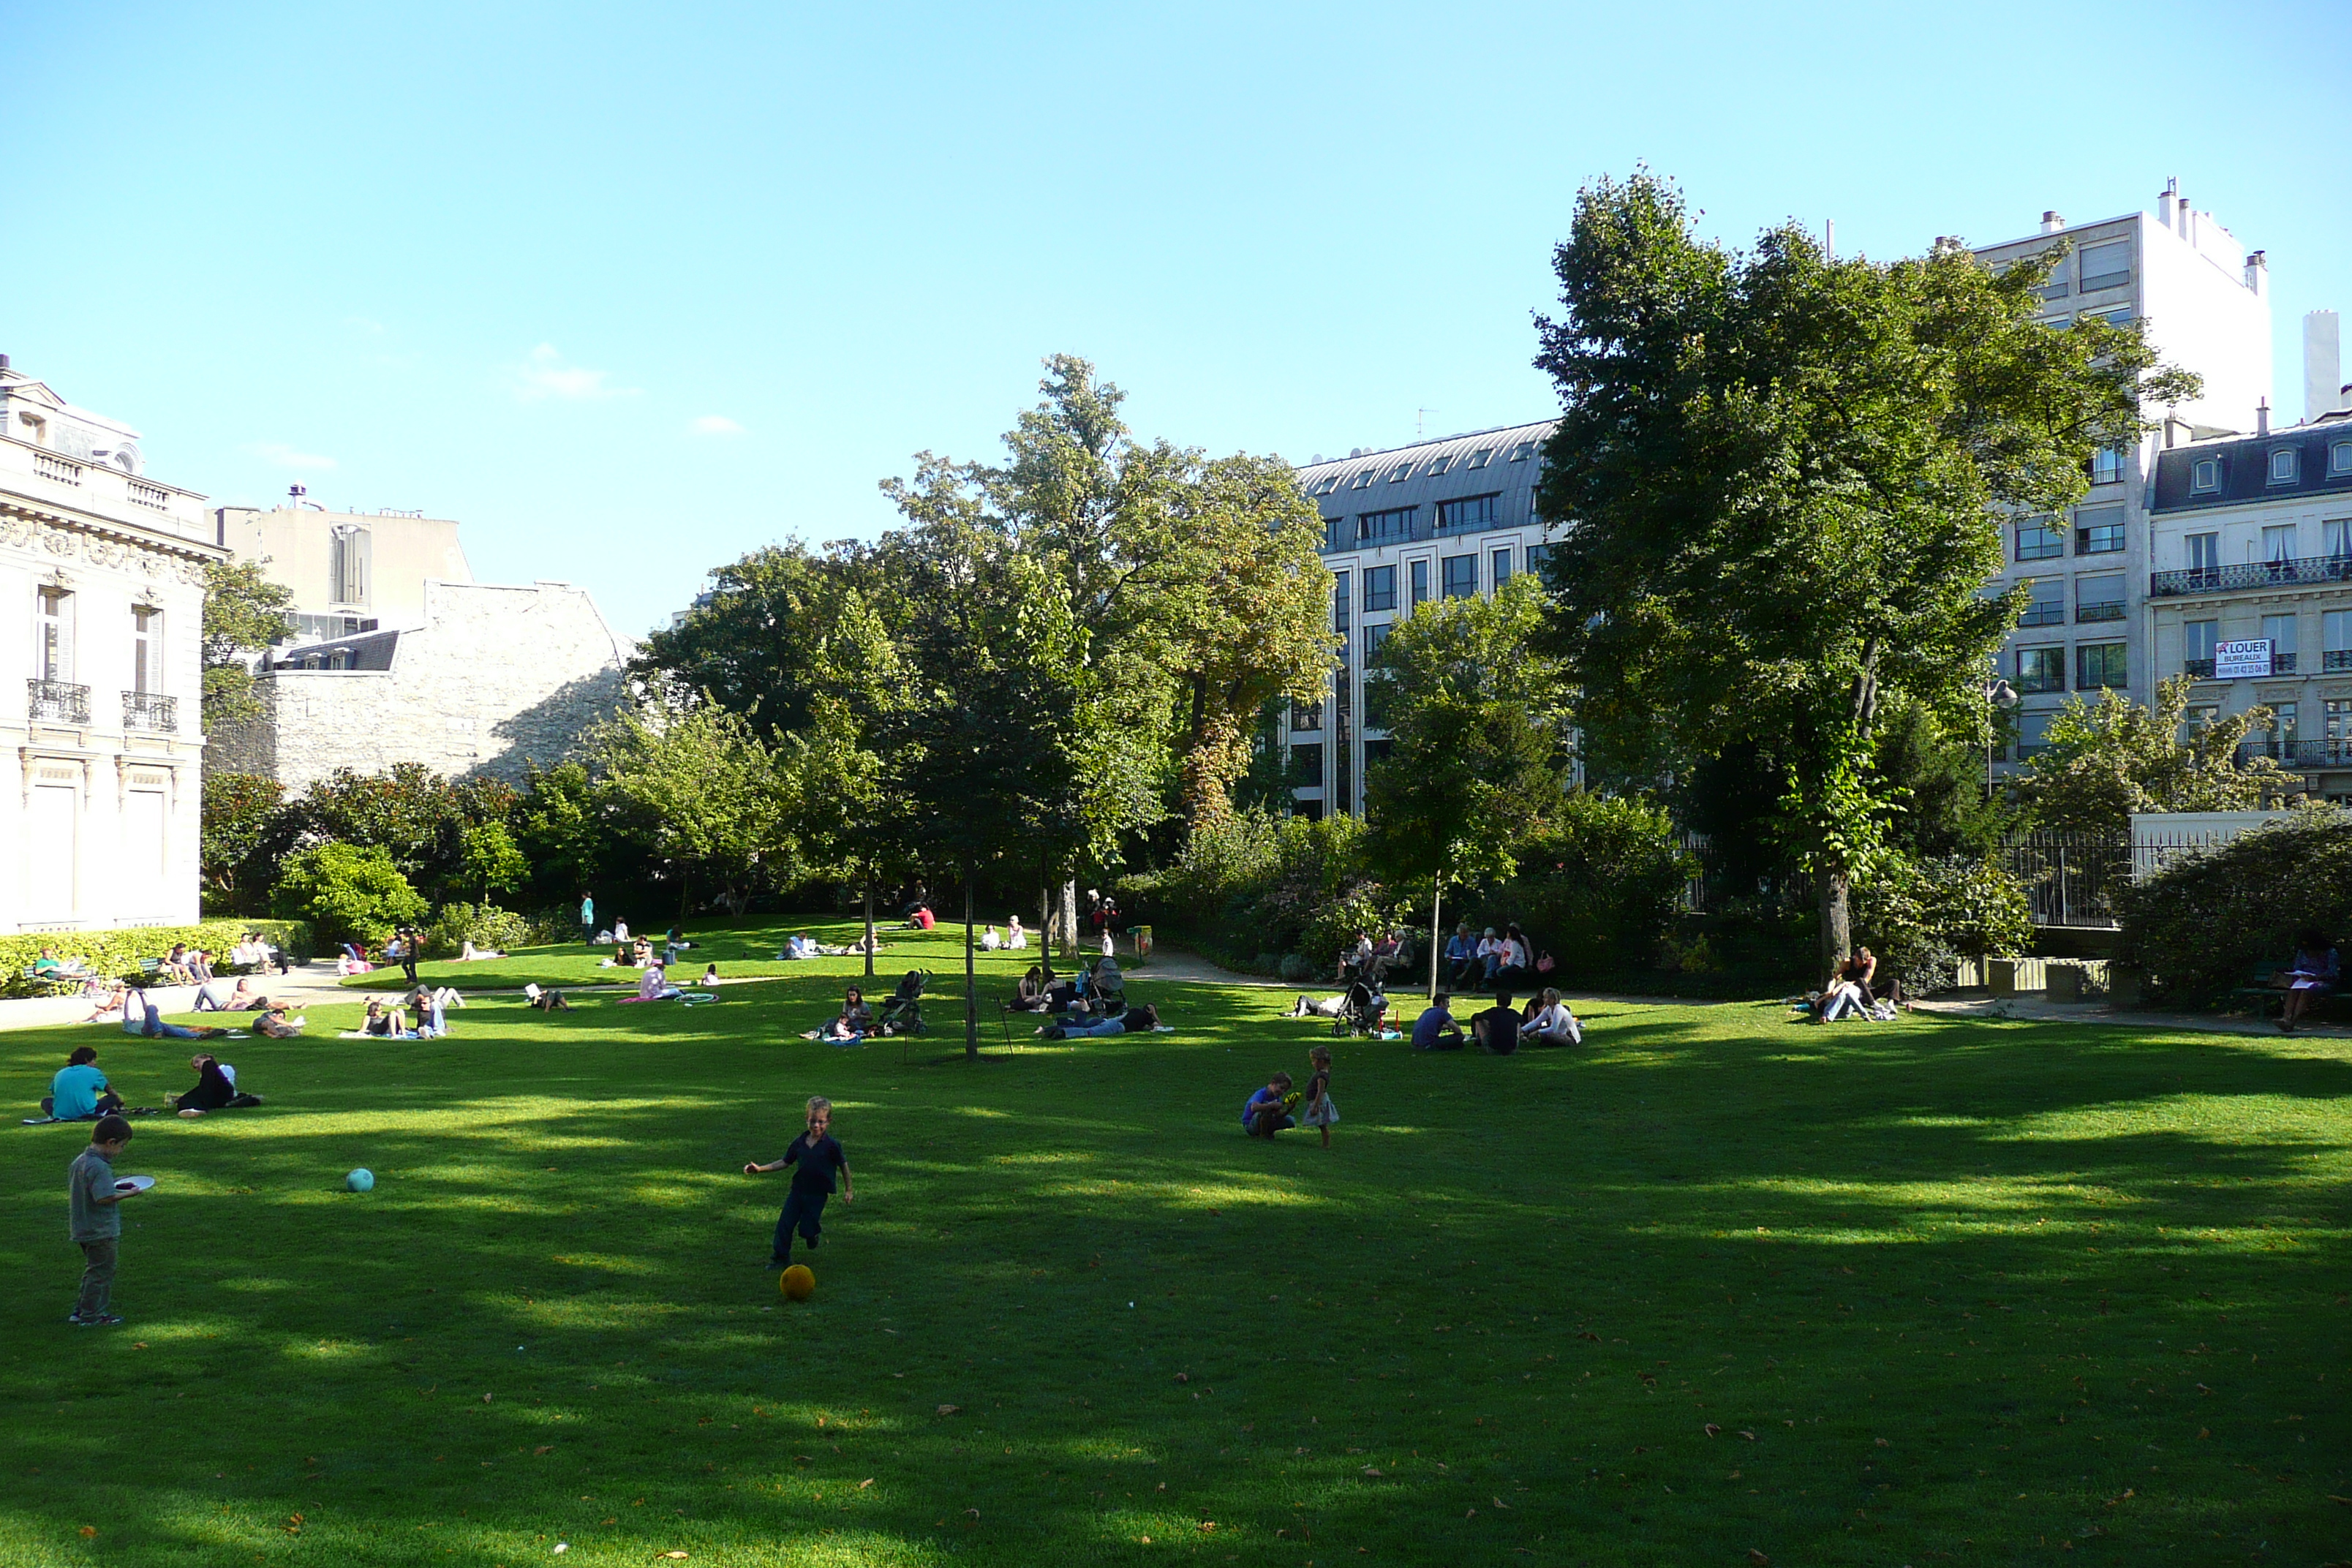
[798, 1283]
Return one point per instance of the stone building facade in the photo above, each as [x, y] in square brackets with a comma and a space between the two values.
[490, 680]
[102, 581]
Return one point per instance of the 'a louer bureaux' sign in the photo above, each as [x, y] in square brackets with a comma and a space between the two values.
[2241, 660]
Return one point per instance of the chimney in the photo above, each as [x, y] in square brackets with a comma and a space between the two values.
[2164, 202]
[4, 361]
[2262, 418]
[2323, 361]
[2052, 223]
[2257, 272]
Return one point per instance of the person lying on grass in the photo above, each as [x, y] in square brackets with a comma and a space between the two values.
[277, 1025]
[1140, 1020]
[141, 1017]
[545, 1001]
[1268, 1111]
[216, 1089]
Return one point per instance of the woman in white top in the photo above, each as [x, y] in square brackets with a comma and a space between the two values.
[1014, 937]
[989, 940]
[1553, 1024]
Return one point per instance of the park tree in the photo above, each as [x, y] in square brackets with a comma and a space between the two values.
[490, 859]
[244, 612]
[561, 829]
[1779, 483]
[1479, 739]
[2103, 762]
[243, 816]
[699, 788]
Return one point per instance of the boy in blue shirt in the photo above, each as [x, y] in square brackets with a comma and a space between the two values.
[816, 1154]
[79, 1090]
[1268, 1111]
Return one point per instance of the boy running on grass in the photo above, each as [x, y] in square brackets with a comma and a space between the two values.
[97, 1218]
[818, 1154]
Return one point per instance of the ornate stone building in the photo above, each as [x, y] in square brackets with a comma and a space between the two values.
[102, 574]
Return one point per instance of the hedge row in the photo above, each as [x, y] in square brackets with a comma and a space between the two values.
[119, 951]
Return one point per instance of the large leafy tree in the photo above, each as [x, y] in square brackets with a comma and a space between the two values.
[700, 788]
[1779, 482]
[2105, 761]
[244, 816]
[244, 612]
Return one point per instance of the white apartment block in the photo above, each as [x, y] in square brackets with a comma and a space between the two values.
[2251, 593]
[2205, 300]
[100, 760]
[1445, 519]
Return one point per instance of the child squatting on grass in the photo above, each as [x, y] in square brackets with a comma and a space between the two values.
[97, 1219]
[818, 1154]
[1268, 1111]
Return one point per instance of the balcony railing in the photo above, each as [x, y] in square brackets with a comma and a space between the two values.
[2316, 754]
[2197, 669]
[2314, 570]
[150, 710]
[2281, 664]
[58, 702]
[2336, 658]
[2113, 612]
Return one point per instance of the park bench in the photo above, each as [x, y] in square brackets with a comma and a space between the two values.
[2267, 998]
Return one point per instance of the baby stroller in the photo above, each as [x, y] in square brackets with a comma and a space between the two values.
[1365, 1009]
[902, 1014]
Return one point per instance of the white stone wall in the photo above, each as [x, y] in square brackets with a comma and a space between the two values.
[494, 679]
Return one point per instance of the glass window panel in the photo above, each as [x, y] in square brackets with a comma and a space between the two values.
[2106, 266]
[2336, 630]
[2284, 467]
[2205, 475]
[2038, 539]
[2099, 665]
[1460, 576]
[2041, 669]
[1380, 588]
[2106, 465]
[2204, 551]
[1374, 527]
[1420, 581]
[2280, 630]
[2099, 529]
[1501, 561]
[1467, 515]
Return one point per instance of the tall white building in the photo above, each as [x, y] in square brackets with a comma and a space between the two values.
[2206, 303]
[102, 581]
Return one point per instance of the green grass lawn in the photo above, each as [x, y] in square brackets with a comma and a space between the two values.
[1715, 1285]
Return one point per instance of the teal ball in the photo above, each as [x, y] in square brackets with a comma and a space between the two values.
[360, 1180]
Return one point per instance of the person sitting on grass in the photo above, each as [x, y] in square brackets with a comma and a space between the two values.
[1015, 939]
[921, 918]
[425, 1007]
[989, 940]
[277, 1025]
[655, 986]
[1029, 996]
[216, 1089]
[1552, 1022]
[1497, 1028]
[80, 1091]
[2315, 972]
[855, 1022]
[801, 944]
[710, 973]
[1268, 1111]
[1435, 1029]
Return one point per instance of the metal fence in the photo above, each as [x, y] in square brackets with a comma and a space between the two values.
[2071, 877]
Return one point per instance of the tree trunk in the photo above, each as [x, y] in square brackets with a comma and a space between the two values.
[1070, 924]
[869, 922]
[1837, 922]
[971, 991]
[1437, 920]
[1045, 923]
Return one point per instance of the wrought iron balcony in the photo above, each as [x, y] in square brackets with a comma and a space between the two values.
[58, 702]
[2311, 570]
[2316, 753]
[2197, 669]
[2281, 664]
[2336, 658]
[2110, 611]
[150, 710]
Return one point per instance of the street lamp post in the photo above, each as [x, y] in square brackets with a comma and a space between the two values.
[2002, 696]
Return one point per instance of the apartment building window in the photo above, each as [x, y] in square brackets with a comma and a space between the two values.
[1373, 637]
[53, 633]
[2278, 543]
[1307, 765]
[2286, 465]
[2041, 669]
[2099, 664]
[2280, 631]
[1305, 716]
[2056, 286]
[1380, 588]
[2336, 538]
[1420, 570]
[1537, 555]
[1501, 562]
[2196, 641]
[146, 649]
[2099, 529]
[1373, 527]
[2335, 637]
[2204, 551]
[2336, 715]
[1523, 451]
[1460, 576]
[1339, 621]
[2282, 732]
[2339, 459]
[1364, 480]
[2107, 466]
[348, 563]
[2199, 716]
[2047, 606]
[2100, 597]
[2205, 476]
[2032, 734]
[2038, 539]
[2106, 266]
[1468, 515]
[1327, 486]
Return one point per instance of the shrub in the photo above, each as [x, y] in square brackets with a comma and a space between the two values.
[1599, 891]
[1252, 883]
[347, 892]
[118, 953]
[486, 926]
[1924, 916]
[2199, 926]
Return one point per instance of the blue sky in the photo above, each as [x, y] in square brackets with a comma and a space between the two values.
[632, 289]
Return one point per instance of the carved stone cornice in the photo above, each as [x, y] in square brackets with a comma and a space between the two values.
[66, 537]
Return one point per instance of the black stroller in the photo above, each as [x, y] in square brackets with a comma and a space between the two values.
[1364, 1007]
[902, 1012]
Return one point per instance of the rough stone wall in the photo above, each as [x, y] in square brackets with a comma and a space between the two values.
[495, 678]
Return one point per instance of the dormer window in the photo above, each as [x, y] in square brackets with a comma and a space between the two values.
[1485, 455]
[2285, 464]
[2339, 461]
[1327, 486]
[1363, 480]
[2205, 477]
[1438, 466]
[1398, 475]
[1523, 451]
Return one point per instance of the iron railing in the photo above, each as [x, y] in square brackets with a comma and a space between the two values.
[57, 700]
[2069, 878]
[2313, 569]
[2109, 611]
[2045, 613]
[150, 710]
[2321, 753]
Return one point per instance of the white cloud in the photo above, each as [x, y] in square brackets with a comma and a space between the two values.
[286, 456]
[717, 425]
[544, 374]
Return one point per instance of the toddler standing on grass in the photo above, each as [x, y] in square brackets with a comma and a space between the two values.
[1319, 1112]
[817, 1154]
[98, 1219]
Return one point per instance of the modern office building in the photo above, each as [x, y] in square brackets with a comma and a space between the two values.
[100, 762]
[349, 572]
[1449, 518]
[2206, 303]
[2251, 591]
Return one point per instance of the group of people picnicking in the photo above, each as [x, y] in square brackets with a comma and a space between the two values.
[79, 1090]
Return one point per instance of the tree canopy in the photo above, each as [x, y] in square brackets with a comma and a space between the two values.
[244, 611]
[2103, 762]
